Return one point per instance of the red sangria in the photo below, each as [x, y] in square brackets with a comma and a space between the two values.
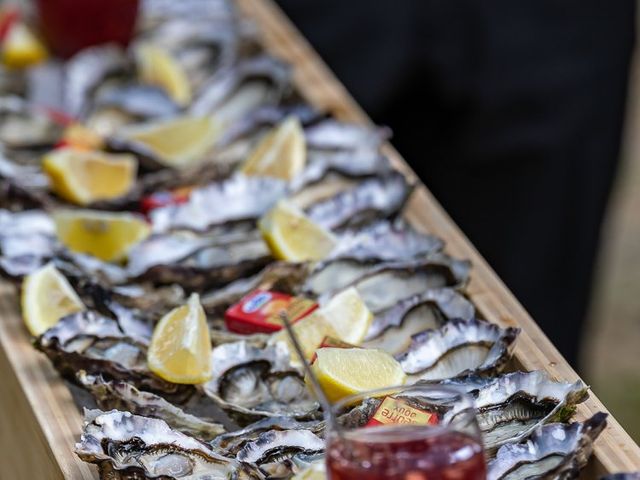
[413, 433]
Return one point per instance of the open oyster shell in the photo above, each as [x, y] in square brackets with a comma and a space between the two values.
[555, 451]
[251, 382]
[384, 284]
[92, 342]
[458, 348]
[392, 329]
[120, 395]
[622, 476]
[126, 446]
[511, 406]
[278, 453]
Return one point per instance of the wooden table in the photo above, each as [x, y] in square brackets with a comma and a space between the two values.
[40, 423]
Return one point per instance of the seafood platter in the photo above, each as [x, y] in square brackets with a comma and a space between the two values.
[233, 174]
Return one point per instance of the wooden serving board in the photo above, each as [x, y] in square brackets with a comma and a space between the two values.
[40, 423]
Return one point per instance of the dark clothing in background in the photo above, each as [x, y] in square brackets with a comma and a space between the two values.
[510, 111]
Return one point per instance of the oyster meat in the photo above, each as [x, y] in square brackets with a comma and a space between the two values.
[251, 382]
[458, 348]
[123, 445]
[392, 329]
[554, 451]
[120, 395]
[511, 406]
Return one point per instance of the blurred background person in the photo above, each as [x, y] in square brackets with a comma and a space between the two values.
[511, 112]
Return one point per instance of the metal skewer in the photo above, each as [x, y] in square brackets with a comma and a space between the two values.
[320, 395]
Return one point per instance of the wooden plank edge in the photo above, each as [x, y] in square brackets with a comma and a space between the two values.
[615, 450]
[37, 398]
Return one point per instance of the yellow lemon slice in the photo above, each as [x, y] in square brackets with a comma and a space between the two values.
[108, 236]
[310, 331]
[281, 153]
[21, 48]
[157, 67]
[179, 142]
[346, 371]
[83, 177]
[46, 298]
[180, 349]
[349, 316]
[292, 236]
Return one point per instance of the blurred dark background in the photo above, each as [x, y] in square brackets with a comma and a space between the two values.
[512, 113]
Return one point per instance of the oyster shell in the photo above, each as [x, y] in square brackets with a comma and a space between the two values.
[513, 405]
[392, 329]
[622, 476]
[123, 445]
[275, 452]
[231, 443]
[331, 134]
[252, 382]
[376, 198]
[236, 199]
[384, 284]
[95, 343]
[24, 127]
[120, 395]
[458, 348]
[553, 451]
[198, 262]
[233, 92]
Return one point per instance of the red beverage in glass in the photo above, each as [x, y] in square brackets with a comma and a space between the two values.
[71, 25]
[405, 453]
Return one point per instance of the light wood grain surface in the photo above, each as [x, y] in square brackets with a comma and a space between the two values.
[39, 422]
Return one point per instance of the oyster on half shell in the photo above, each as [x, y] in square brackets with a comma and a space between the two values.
[277, 453]
[251, 382]
[458, 348]
[95, 343]
[126, 446]
[120, 395]
[511, 406]
[392, 329]
[554, 451]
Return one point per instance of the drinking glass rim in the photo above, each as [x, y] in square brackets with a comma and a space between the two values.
[416, 432]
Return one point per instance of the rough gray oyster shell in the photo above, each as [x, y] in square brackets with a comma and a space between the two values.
[231, 443]
[120, 395]
[198, 262]
[511, 406]
[276, 452]
[458, 348]
[392, 329]
[126, 446]
[376, 198]
[250, 383]
[24, 127]
[383, 284]
[555, 451]
[622, 476]
[92, 342]
[239, 198]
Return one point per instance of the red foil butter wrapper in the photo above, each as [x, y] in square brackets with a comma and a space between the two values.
[259, 312]
[398, 411]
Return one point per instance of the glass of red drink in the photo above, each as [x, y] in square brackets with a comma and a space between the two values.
[416, 432]
[68, 26]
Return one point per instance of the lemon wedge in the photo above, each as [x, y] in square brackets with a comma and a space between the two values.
[292, 236]
[180, 349]
[108, 236]
[83, 177]
[349, 316]
[21, 48]
[346, 371]
[281, 153]
[179, 142]
[156, 66]
[46, 298]
[345, 318]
